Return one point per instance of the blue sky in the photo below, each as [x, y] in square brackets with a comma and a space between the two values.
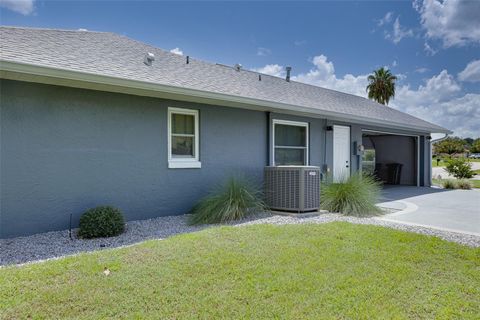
[433, 46]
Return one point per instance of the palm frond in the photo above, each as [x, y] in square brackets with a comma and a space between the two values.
[381, 86]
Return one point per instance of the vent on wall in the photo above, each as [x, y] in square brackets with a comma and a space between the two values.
[292, 188]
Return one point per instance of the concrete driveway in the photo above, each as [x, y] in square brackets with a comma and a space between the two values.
[449, 210]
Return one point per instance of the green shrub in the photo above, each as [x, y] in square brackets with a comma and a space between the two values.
[354, 196]
[449, 184]
[464, 184]
[460, 168]
[234, 200]
[101, 222]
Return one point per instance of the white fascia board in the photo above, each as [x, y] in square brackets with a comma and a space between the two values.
[52, 72]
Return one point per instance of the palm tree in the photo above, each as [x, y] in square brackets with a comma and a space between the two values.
[381, 85]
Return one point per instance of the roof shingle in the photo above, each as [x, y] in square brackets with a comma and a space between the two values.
[110, 54]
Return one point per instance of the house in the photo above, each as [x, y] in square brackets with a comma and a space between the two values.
[95, 118]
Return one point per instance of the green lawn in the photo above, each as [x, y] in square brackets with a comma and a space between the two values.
[438, 182]
[441, 163]
[336, 270]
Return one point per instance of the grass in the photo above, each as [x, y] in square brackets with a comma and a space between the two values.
[439, 182]
[443, 163]
[464, 184]
[234, 200]
[456, 184]
[475, 183]
[336, 270]
[449, 184]
[355, 195]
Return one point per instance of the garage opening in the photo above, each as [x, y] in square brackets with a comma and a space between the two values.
[392, 158]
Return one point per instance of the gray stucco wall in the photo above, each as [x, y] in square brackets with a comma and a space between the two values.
[64, 150]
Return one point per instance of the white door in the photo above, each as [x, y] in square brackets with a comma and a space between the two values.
[341, 153]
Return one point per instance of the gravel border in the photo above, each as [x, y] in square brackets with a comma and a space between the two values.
[57, 244]
[461, 238]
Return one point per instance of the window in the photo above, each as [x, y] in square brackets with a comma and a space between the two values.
[290, 143]
[183, 147]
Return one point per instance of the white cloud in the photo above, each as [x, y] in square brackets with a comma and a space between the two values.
[300, 42]
[459, 114]
[272, 69]
[386, 19]
[399, 32]
[263, 51]
[400, 76]
[421, 70]
[439, 99]
[394, 63]
[471, 73]
[24, 7]
[429, 50]
[436, 89]
[177, 51]
[323, 75]
[454, 22]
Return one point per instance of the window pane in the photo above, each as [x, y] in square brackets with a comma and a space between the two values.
[286, 157]
[183, 123]
[292, 136]
[182, 147]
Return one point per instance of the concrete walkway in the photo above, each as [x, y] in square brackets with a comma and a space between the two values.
[449, 210]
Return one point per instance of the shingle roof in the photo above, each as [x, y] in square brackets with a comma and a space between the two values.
[110, 54]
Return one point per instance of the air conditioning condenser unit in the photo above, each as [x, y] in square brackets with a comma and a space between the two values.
[292, 188]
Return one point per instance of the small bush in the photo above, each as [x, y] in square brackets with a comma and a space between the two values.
[460, 168]
[234, 200]
[449, 184]
[464, 184]
[101, 222]
[354, 196]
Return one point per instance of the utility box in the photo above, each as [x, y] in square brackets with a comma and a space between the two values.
[292, 188]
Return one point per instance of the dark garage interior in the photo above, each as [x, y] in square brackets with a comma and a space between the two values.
[391, 158]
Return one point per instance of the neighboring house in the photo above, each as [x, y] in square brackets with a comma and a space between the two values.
[87, 119]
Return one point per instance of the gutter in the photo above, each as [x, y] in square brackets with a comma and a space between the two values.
[70, 75]
[440, 139]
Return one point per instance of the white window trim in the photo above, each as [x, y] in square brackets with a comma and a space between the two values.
[291, 123]
[183, 162]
